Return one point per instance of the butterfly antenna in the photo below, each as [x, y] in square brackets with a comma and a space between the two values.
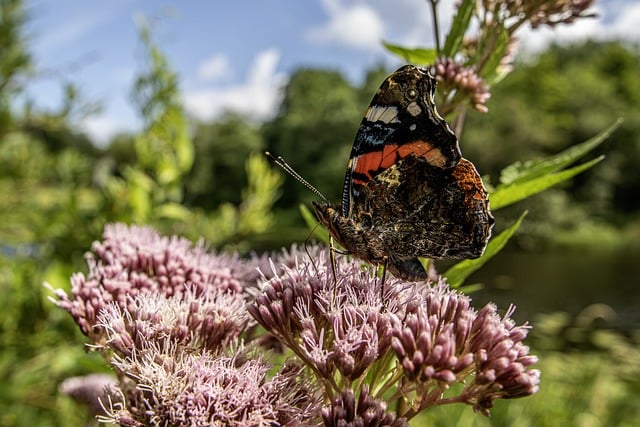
[278, 160]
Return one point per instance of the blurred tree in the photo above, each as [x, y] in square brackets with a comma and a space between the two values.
[57, 194]
[315, 126]
[150, 189]
[121, 149]
[45, 223]
[371, 83]
[42, 158]
[15, 61]
[551, 102]
[221, 148]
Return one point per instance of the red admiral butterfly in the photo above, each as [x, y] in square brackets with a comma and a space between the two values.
[408, 192]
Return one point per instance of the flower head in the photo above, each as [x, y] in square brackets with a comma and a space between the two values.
[430, 341]
[463, 80]
[538, 13]
[554, 12]
[90, 389]
[341, 323]
[442, 340]
[133, 260]
[197, 388]
[168, 315]
[502, 361]
[209, 322]
[348, 409]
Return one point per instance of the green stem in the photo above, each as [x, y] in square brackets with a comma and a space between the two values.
[436, 29]
[328, 382]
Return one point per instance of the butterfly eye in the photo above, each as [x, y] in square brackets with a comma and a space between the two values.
[412, 94]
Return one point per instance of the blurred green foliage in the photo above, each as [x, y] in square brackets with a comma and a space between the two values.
[58, 190]
[554, 101]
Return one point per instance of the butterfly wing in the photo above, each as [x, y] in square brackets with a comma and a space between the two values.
[401, 120]
[407, 191]
[421, 210]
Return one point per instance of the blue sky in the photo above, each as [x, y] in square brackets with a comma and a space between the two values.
[238, 54]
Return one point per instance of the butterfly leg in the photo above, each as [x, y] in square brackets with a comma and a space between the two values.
[383, 280]
[334, 268]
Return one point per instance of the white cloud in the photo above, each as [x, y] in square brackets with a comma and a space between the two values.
[356, 25]
[102, 127]
[537, 40]
[410, 22]
[215, 68]
[257, 97]
[618, 21]
[627, 22]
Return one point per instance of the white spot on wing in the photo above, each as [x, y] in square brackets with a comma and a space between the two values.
[414, 109]
[382, 113]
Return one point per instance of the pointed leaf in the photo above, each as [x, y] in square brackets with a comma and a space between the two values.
[316, 228]
[457, 274]
[458, 28]
[519, 172]
[505, 195]
[491, 72]
[173, 211]
[416, 55]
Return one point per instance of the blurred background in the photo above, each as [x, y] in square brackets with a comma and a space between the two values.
[158, 112]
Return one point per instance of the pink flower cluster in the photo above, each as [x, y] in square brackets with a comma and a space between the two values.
[173, 321]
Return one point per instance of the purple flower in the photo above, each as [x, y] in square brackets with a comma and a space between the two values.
[134, 260]
[269, 264]
[501, 359]
[339, 323]
[458, 80]
[181, 388]
[430, 341]
[537, 13]
[169, 315]
[554, 12]
[443, 340]
[91, 390]
[349, 409]
[209, 321]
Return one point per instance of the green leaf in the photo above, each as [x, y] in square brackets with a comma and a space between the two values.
[458, 28]
[173, 211]
[457, 274]
[416, 55]
[474, 287]
[519, 181]
[523, 172]
[505, 195]
[490, 71]
[316, 228]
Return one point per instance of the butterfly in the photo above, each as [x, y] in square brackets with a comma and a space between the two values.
[408, 192]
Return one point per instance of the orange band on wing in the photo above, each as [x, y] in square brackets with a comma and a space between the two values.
[468, 178]
[374, 161]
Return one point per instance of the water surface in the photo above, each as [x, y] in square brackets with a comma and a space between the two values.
[563, 281]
